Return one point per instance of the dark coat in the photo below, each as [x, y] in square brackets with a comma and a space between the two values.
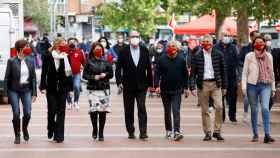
[230, 57]
[276, 63]
[197, 70]
[54, 80]
[173, 73]
[12, 76]
[96, 67]
[243, 52]
[134, 77]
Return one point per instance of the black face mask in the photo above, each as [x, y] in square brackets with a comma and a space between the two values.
[72, 46]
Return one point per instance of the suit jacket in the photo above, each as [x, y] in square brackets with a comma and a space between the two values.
[54, 80]
[197, 69]
[12, 76]
[134, 77]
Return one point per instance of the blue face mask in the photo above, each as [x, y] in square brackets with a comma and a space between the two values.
[226, 40]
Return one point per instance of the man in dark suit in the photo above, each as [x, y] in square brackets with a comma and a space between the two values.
[134, 76]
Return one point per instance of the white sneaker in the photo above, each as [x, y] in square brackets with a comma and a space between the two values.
[210, 109]
[76, 105]
[168, 135]
[178, 136]
[69, 106]
[245, 118]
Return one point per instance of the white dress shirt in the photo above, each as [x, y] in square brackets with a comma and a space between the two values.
[24, 73]
[208, 67]
[135, 53]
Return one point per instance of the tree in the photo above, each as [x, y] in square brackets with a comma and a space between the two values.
[180, 7]
[131, 14]
[38, 11]
[221, 8]
[260, 9]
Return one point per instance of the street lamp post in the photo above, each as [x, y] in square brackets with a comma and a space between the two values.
[93, 10]
[66, 17]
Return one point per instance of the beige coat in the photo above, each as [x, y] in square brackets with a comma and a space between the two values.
[250, 72]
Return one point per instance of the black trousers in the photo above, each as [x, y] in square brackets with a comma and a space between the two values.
[171, 102]
[129, 99]
[56, 114]
[231, 98]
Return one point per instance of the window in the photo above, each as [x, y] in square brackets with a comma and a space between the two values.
[84, 1]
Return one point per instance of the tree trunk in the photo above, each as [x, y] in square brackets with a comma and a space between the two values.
[242, 26]
[219, 23]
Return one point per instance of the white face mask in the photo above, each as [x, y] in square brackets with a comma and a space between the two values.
[104, 44]
[159, 50]
[165, 38]
[185, 47]
[135, 41]
[268, 43]
[226, 40]
[152, 41]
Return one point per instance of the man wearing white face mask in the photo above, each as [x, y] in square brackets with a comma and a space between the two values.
[230, 57]
[268, 42]
[134, 76]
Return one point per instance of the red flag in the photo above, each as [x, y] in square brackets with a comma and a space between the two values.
[172, 22]
[110, 58]
[13, 52]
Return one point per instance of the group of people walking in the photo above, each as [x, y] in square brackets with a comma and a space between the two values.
[206, 74]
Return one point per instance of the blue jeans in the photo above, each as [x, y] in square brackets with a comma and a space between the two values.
[259, 93]
[76, 88]
[26, 100]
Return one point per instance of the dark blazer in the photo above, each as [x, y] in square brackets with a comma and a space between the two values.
[134, 77]
[197, 70]
[54, 80]
[96, 67]
[12, 76]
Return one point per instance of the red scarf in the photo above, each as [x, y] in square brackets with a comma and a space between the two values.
[265, 69]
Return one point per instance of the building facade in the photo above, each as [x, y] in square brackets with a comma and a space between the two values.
[75, 18]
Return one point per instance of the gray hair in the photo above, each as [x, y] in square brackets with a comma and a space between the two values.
[175, 43]
[208, 38]
[267, 37]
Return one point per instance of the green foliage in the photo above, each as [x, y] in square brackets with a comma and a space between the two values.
[131, 14]
[164, 4]
[38, 11]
